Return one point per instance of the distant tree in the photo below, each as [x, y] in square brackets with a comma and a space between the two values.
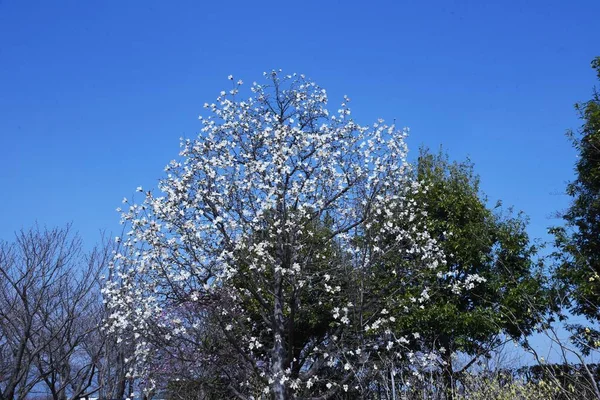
[68, 366]
[481, 243]
[578, 272]
[49, 293]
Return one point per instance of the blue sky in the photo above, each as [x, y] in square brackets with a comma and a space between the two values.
[94, 95]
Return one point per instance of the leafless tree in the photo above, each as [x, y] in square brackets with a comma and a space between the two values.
[49, 319]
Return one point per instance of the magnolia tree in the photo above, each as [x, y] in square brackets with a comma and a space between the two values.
[254, 266]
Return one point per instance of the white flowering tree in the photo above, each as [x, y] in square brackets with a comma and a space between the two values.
[255, 263]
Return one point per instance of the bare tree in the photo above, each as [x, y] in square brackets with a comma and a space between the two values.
[49, 296]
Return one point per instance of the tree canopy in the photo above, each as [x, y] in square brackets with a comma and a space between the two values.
[278, 214]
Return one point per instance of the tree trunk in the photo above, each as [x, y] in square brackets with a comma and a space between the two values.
[278, 351]
[448, 369]
[393, 382]
[447, 376]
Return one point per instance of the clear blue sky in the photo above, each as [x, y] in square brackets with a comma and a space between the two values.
[94, 95]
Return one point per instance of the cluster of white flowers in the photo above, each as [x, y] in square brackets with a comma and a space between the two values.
[468, 283]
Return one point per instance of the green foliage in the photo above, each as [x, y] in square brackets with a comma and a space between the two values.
[578, 272]
[477, 241]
